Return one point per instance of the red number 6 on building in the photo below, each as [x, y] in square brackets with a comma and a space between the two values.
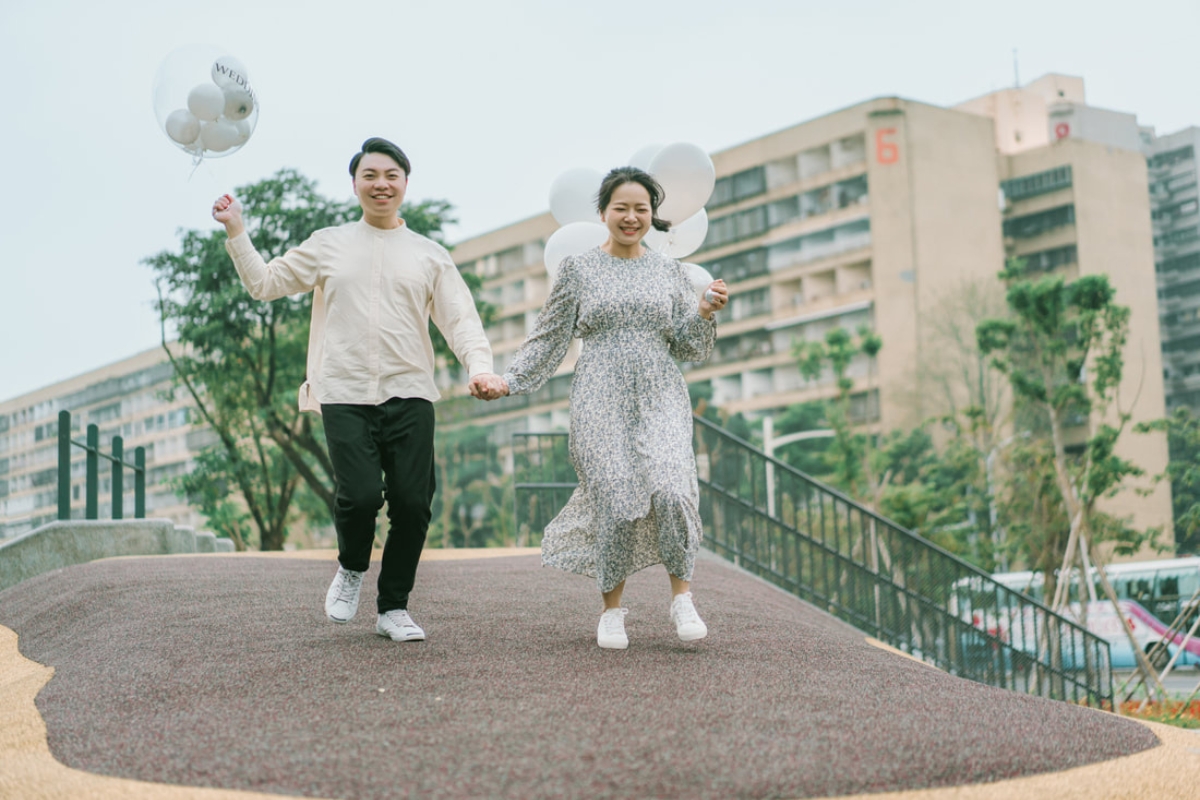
[886, 152]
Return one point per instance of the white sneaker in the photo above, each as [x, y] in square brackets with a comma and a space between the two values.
[611, 633]
[341, 601]
[688, 624]
[398, 626]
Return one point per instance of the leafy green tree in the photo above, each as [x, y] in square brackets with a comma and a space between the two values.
[474, 503]
[1061, 349]
[1183, 471]
[847, 459]
[242, 360]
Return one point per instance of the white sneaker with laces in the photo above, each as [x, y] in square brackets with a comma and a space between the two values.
[611, 633]
[688, 624]
[398, 626]
[341, 601]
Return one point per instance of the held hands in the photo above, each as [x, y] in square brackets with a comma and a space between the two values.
[487, 386]
[228, 211]
[716, 297]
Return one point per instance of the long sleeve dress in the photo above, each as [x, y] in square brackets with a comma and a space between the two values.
[637, 503]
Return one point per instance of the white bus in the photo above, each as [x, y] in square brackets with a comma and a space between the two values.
[1151, 595]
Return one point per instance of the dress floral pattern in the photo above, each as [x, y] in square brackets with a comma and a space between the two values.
[637, 503]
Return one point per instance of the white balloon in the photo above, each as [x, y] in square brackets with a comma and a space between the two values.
[700, 278]
[206, 102]
[642, 158]
[219, 136]
[182, 126]
[687, 237]
[244, 130]
[658, 241]
[573, 196]
[239, 103]
[571, 240]
[687, 176]
[229, 73]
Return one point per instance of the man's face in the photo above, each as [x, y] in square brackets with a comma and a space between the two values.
[379, 183]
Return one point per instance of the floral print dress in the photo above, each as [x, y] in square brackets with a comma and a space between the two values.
[637, 503]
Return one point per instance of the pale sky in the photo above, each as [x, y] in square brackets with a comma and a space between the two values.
[491, 99]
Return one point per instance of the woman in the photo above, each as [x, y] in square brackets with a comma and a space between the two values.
[631, 427]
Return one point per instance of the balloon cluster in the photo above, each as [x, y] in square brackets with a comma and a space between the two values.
[204, 102]
[687, 176]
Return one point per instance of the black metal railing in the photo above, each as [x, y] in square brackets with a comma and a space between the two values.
[820, 545]
[543, 479]
[92, 473]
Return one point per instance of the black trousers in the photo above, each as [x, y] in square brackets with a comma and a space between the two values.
[379, 452]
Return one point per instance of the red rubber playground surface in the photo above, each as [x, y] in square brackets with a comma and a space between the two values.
[222, 671]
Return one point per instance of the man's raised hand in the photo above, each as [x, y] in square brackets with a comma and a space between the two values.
[228, 211]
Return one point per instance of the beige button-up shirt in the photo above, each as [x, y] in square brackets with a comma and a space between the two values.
[374, 291]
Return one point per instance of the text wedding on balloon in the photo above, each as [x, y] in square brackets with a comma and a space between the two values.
[204, 102]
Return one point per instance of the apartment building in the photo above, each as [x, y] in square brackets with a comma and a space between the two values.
[126, 398]
[1172, 164]
[841, 221]
[1081, 208]
[883, 214]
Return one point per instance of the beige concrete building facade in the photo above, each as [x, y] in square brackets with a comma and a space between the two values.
[125, 398]
[883, 214]
[1079, 208]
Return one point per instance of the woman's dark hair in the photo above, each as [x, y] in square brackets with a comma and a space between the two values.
[377, 144]
[623, 175]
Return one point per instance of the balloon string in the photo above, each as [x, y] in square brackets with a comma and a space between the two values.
[196, 161]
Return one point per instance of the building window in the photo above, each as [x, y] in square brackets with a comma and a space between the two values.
[864, 407]
[511, 260]
[758, 220]
[735, 227]
[1184, 317]
[1188, 343]
[1046, 260]
[741, 348]
[1039, 183]
[1182, 236]
[819, 244]
[851, 192]
[105, 413]
[1169, 213]
[744, 305]
[1030, 225]
[1171, 157]
[739, 267]
[738, 186]
[1181, 264]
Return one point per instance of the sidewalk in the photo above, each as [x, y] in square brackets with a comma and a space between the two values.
[221, 671]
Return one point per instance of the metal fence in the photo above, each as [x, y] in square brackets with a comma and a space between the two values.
[91, 447]
[820, 545]
[543, 480]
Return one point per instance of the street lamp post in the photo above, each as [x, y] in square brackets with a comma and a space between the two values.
[771, 444]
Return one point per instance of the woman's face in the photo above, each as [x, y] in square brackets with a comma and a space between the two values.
[628, 214]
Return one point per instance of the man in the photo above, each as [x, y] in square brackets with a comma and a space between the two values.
[375, 285]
